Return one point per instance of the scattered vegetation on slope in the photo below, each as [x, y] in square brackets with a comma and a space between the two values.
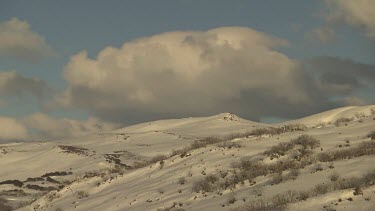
[343, 120]
[280, 201]
[371, 135]
[4, 206]
[297, 155]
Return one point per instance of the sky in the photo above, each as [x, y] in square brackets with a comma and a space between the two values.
[68, 68]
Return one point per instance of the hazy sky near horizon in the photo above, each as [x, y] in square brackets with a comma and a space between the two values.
[68, 68]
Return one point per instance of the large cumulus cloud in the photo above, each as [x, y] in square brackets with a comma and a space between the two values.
[191, 72]
[358, 13]
[18, 41]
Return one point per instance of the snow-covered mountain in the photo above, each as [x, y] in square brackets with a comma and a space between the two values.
[220, 162]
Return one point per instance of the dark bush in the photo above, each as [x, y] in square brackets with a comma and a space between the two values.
[181, 180]
[204, 142]
[266, 131]
[13, 182]
[212, 179]
[342, 120]
[276, 178]
[229, 145]
[49, 179]
[158, 158]
[36, 179]
[82, 194]
[322, 188]
[74, 150]
[57, 173]
[203, 185]
[294, 127]
[231, 199]
[305, 141]
[364, 148]
[40, 188]
[371, 135]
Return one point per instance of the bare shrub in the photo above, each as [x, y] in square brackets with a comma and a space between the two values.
[203, 185]
[201, 143]
[323, 188]
[280, 201]
[161, 163]
[266, 131]
[181, 180]
[371, 135]
[334, 176]
[90, 174]
[258, 191]
[317, 167]
[223, 174]
[359, 115]
[277, 178]
[364, 148]
[358, 191]
[294, 127]
[341, 120]
[342, 183]
[231, 200]
[369, 179]
[4, 206]
[229, 145]
[305, 141]
[13, 182]
[205, 142]
[293, 174]
[303, 195]
[40, 188]
[82, 194]
[212, 179]
[74, 150]
[57, 173]
[158, 158]
[255, 205]
[328, 208]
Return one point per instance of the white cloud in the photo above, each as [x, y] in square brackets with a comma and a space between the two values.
[18, 41]
[40, 126]
[54, 128]
[358, 13]
[188, 72]
[12, 130]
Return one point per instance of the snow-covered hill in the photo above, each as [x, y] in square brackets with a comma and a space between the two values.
[331, 116]
[172, 165]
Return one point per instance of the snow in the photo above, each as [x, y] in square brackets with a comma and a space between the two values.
[156, 186]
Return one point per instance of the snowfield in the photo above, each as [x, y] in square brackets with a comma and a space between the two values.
[222, 162]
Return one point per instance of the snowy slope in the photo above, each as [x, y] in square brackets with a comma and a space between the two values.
[329, 117]
[159, 185]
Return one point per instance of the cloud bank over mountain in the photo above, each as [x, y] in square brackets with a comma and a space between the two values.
[199, 72]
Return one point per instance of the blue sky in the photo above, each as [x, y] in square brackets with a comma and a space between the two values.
[313, 29]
